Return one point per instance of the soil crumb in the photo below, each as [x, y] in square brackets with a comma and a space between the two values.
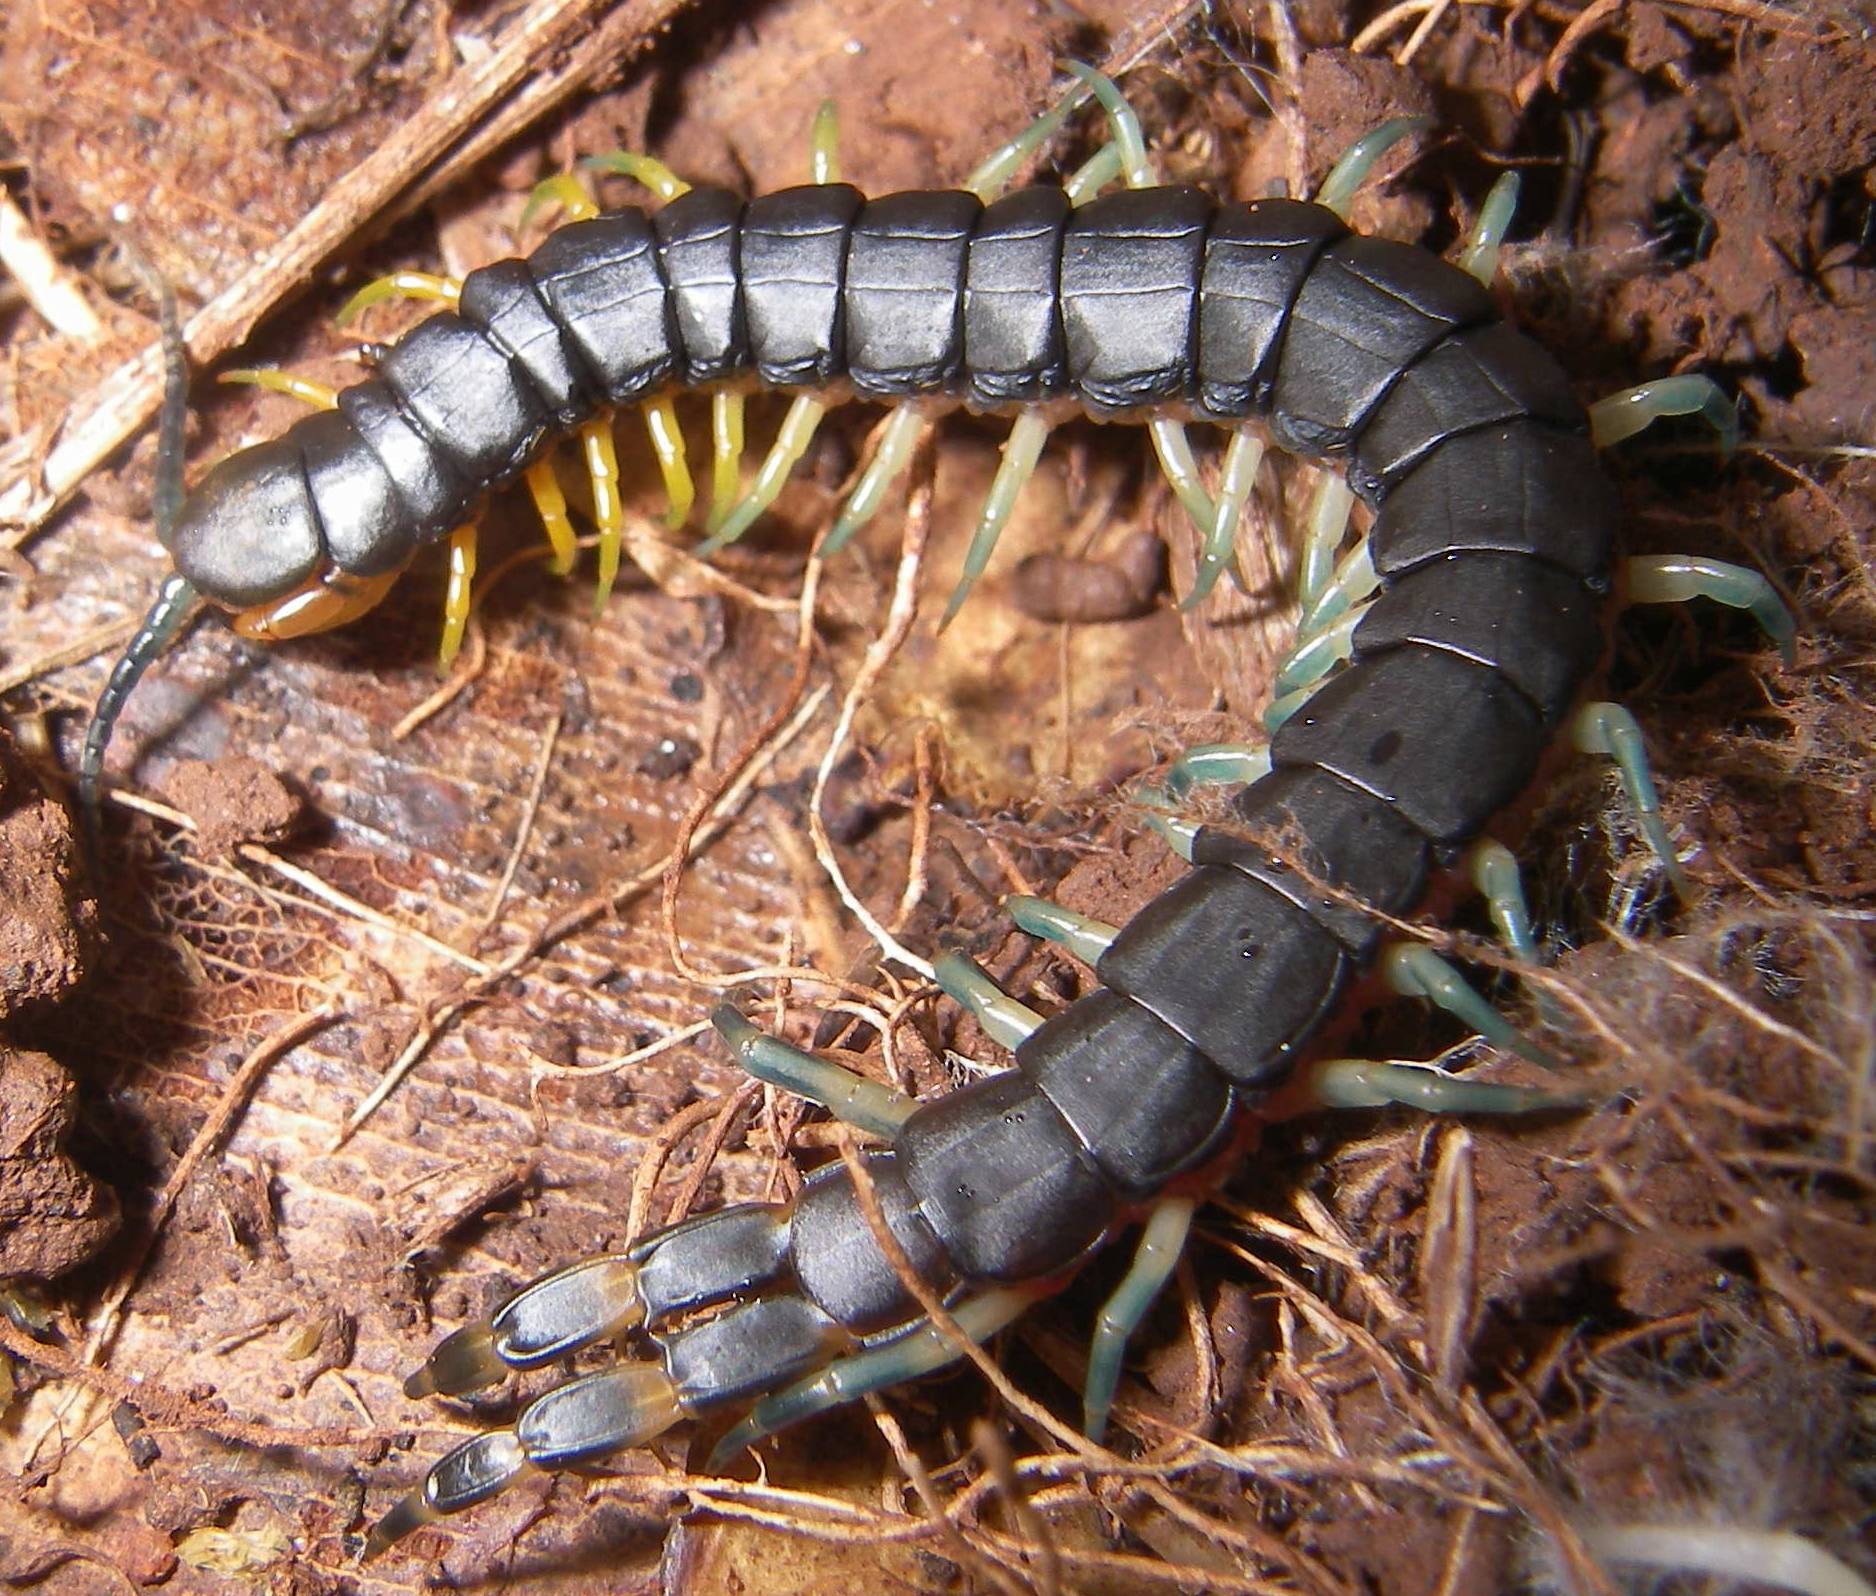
[232, 801]
[50, 923]
[53, 1216]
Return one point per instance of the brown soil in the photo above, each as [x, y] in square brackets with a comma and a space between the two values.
[1406, 1355]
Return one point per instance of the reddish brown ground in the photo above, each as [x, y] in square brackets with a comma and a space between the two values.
[1406, 1356]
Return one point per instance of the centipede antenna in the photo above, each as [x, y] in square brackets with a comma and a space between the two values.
[1480, 256]
[1414, 970]
[1621, 415]
[1494, 871]
[176, 597]
[1351, 171]
[896, 446]
[1366, 1083]
[1162, 1240]
[172, 419]
[171, 608]
[847, 1380]
[1083, 935]
[1243, 456]
[1021, 449]
[849, 1097]
[1217, 765]
[1605, 728]
[1676, 578]
[1008, 1022]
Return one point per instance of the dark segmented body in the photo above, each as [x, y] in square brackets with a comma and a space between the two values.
[1492, 542]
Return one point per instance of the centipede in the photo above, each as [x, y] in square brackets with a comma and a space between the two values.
[1440, 654]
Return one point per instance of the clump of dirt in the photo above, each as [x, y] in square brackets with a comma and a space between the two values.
[53, 1215]
[49, 927]
[231, 801]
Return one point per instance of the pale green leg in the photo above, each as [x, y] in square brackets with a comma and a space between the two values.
[726, 456]
[824, 144]
[918, 1352]
[1354, 580]
[1495, 873]
[1161, 1243]
[1170, 441]
[1415, 970]
[1093, 175]
[805, 413]
[1363, 1083]
[645, 169]
[1128, 139]
[1181, 471]
[1279, 710]
[1349, 173]
[791, 443]
[1083, 935]
[1329, 509]
[849, 1097]
[1021, 449]
[1178, 834]
[991, 178]
[1217, 765]
[1676, 578]
[1006, 1021]
[1480, 256]
[896, 445]
[1242, 458]
[1624, 414]
[1610, 729]
[1310, 661]
[566, 190]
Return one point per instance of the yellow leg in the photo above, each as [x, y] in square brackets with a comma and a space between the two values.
[602, 465]
[824, 145]
[462, 576]
[551, 505]
[320, 395]
[726, 471]
[654, 174]
[329, 598]
[791, 443]
[667, 442]
[401, 285]
[565, 190]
